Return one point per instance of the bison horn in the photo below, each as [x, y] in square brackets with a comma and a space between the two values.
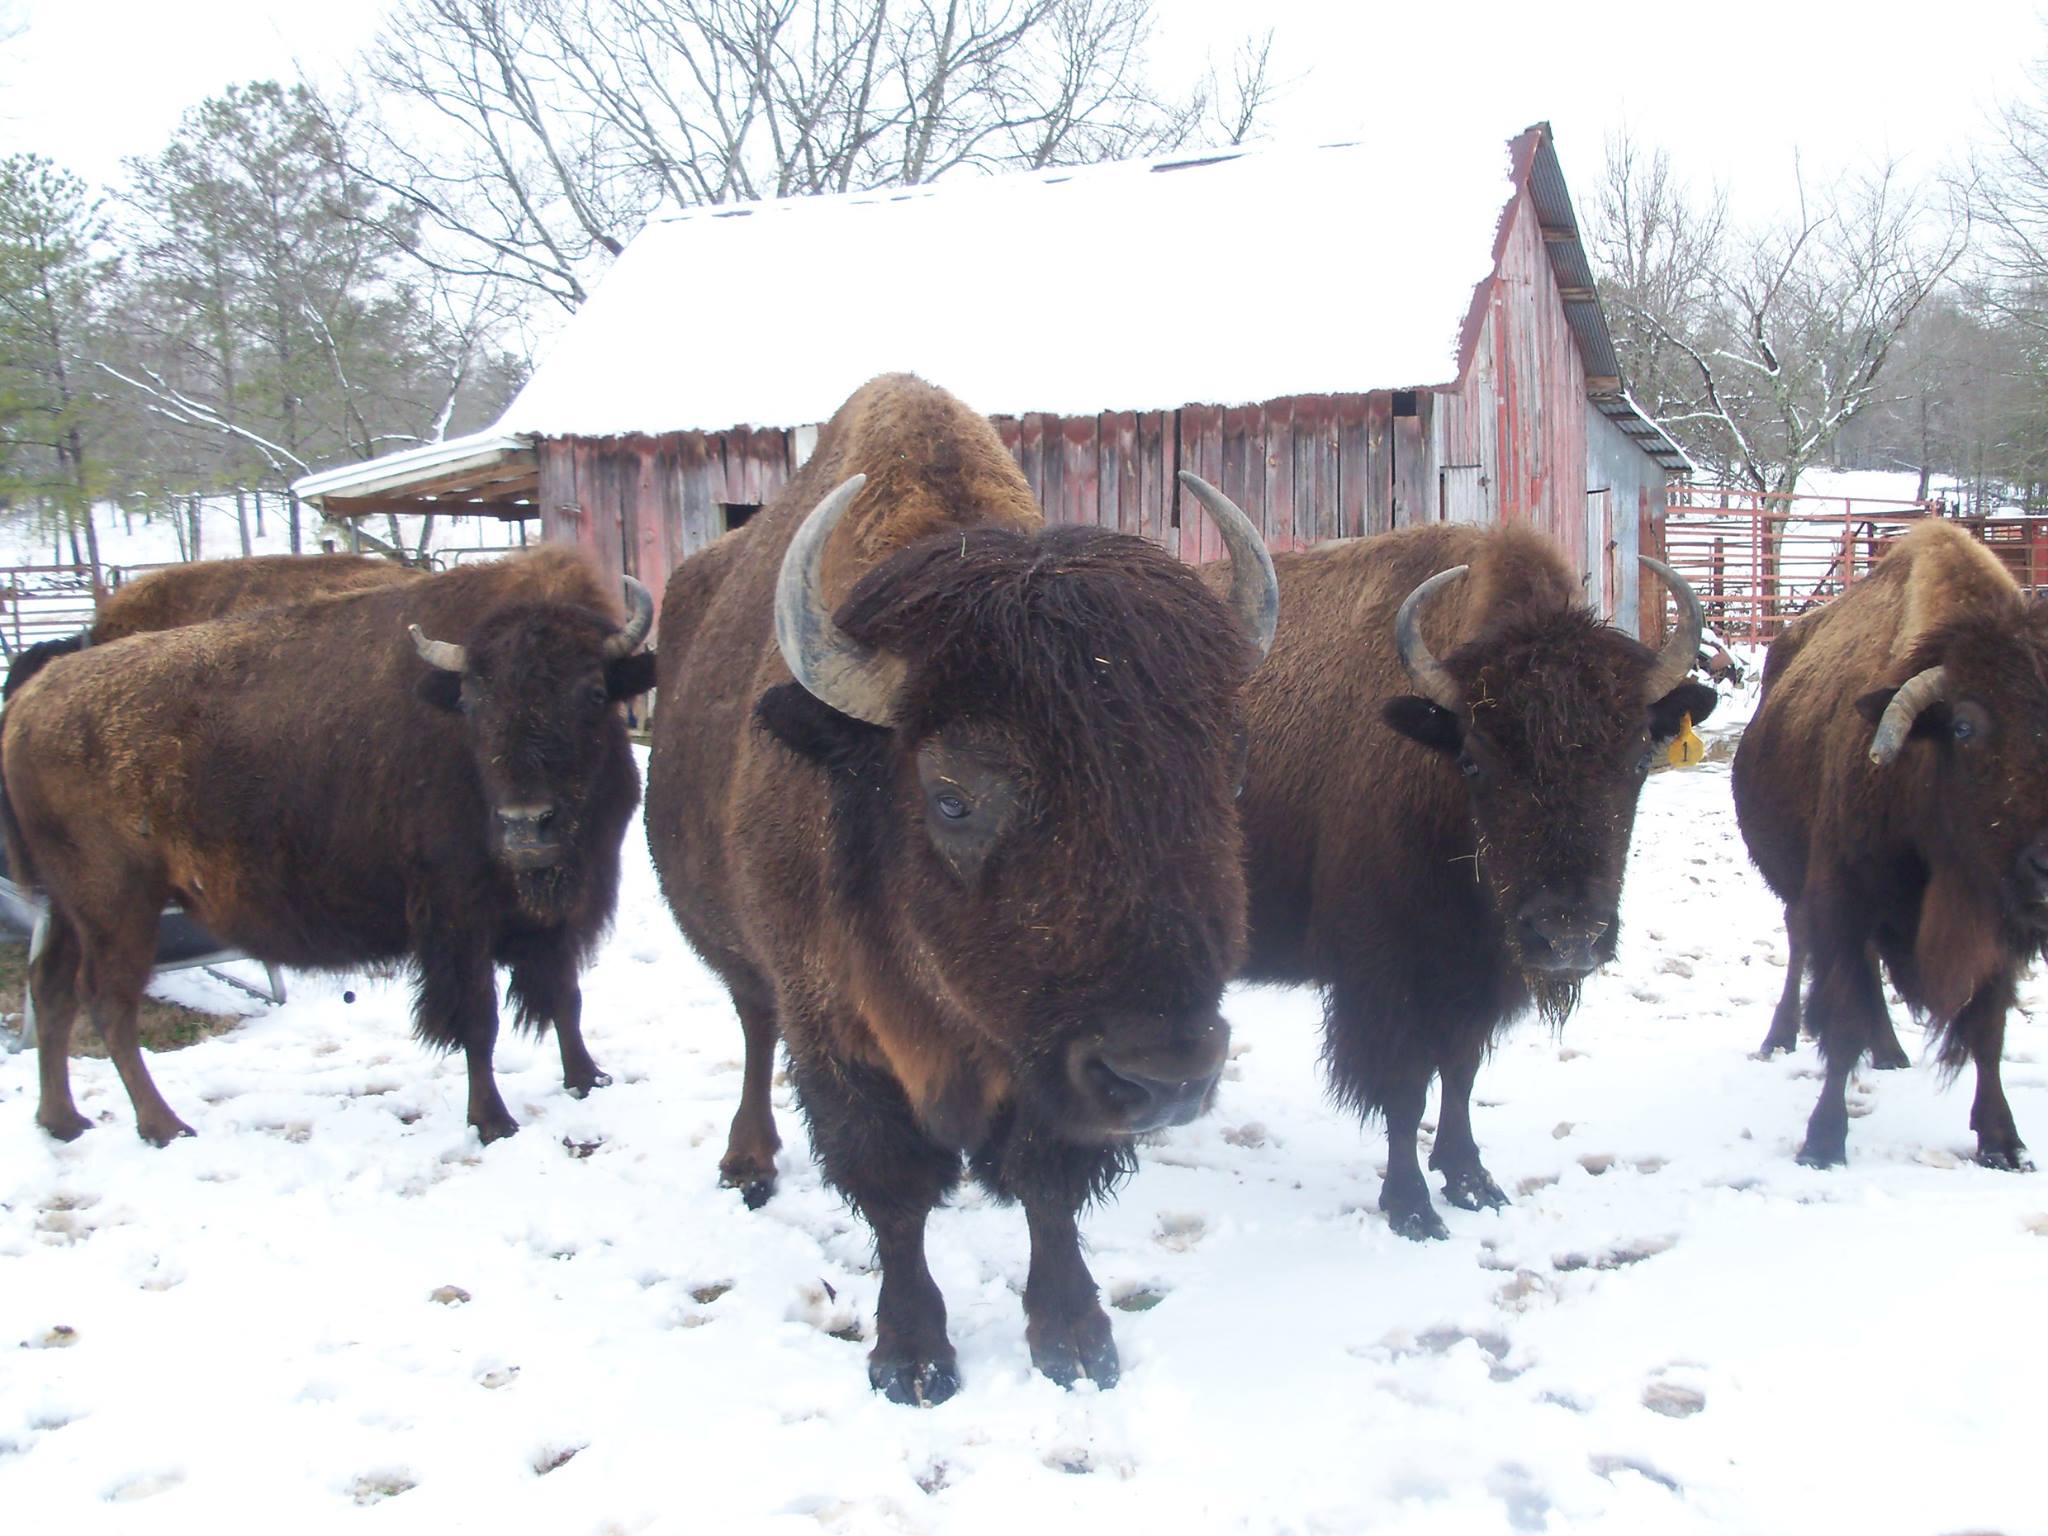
[639, 619]
[1430, 676]
[437, 653]
[832, 665]
[1254, 589]
[1920, 690]
[1681, 652]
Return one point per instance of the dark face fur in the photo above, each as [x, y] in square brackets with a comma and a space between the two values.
[538, 698]
[1553, 749]
[1984, 751]
[1049, 831]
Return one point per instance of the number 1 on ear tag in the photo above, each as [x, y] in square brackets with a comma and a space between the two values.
[1687, 748]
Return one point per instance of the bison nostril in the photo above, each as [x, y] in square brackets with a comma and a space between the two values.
[1121, 1091]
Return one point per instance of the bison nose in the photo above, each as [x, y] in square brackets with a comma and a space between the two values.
[1153, 1077]
[1561, 936]
[526, 829]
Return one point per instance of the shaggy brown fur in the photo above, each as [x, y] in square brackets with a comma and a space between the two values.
[288, 778]
[1409, 859]
[955, 988]
[1937, 863]
[210, 589]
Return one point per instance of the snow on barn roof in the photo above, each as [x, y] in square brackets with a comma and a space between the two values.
[1222, 278]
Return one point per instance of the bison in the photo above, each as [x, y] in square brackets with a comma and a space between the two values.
[945, 796]
[320, 791]
[1893, 791]
[208, 589]
[1438, 860]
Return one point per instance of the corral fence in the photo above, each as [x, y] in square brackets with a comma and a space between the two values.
[1758, 561]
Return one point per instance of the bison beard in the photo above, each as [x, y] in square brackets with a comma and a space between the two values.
[978, 865]
[1442, 861]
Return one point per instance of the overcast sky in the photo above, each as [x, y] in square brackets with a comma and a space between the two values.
[1729, 86]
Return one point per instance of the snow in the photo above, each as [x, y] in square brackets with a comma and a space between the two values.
[254, 1345]
[1131, 286]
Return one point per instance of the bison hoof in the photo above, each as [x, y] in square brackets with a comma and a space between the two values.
[1889, 1058]
[1473, 1189]
[67, 1126]
[580, 1088]
[914, 1383]
[1415, 1220]
[1821, 1153]
[2009, 1158]
[496, 1128]
[162, 1133]
[755, 1182]
[1082, 1350]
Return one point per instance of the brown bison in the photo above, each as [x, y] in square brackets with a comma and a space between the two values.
[209, 589]
[319, 790]
[945, 795]
[1893, 790]
[1438, 861]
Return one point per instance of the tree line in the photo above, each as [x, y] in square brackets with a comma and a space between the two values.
[301, 278]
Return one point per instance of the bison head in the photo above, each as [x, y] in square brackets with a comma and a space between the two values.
[1552, 719]
[535, 685]
[1031, 738]
[1969, 716]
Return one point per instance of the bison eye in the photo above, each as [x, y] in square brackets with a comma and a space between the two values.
[1962, 729]
[951, 806]
[596, 694]
[1643, 766]
[1468, 767]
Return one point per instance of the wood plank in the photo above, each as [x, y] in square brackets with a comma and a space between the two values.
[1201, 450]
[1353, 466]
[1156, 435]
[1277, 419]
[1120, 443]
[1244, 463]
[1031, 454]
[1080, 470]
[1052, 461]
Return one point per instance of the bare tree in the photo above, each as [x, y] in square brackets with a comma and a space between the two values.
[1756, 348]
[533, 138]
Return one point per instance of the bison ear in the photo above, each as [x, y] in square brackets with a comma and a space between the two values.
[630, 676]
[441, 689]
[1668, 714]
[1873, 704]
[810, 727]
[1425, 721]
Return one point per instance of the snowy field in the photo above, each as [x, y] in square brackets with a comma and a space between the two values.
[1675, 1328]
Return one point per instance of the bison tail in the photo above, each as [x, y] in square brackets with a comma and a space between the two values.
[20, 868]
[38, 656]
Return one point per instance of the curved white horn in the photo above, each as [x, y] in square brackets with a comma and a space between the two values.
[830, 664]
[1254, 589]
[1681, 652]
[1918, 691]
[437, 653]
[1431, 678]
[639, 619]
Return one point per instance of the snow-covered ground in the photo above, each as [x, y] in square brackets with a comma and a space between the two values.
[1675, 1328]
[132, 541]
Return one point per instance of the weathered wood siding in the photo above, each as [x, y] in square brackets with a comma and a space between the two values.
[1634, 486]
[640, 504]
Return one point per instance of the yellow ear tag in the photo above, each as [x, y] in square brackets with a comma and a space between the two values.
[1687, 748]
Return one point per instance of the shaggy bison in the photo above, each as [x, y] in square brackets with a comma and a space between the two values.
[319, 790]
[209, 589]
[946, 795]
[1893, 790]
[1438, 860]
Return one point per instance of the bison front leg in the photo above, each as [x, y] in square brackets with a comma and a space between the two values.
[53, 982]
[875, 1154]
[458, 1005]
[1064, 1323]
[1846, 1007]
[1981, 1026]
[1784, 1034]
[1404, 1194]
[1467, 1184]
[546, 992]
[751, 1144]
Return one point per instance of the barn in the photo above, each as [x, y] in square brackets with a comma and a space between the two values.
[1346, 338]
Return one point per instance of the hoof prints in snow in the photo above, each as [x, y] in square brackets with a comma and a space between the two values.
[1289, 1365]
